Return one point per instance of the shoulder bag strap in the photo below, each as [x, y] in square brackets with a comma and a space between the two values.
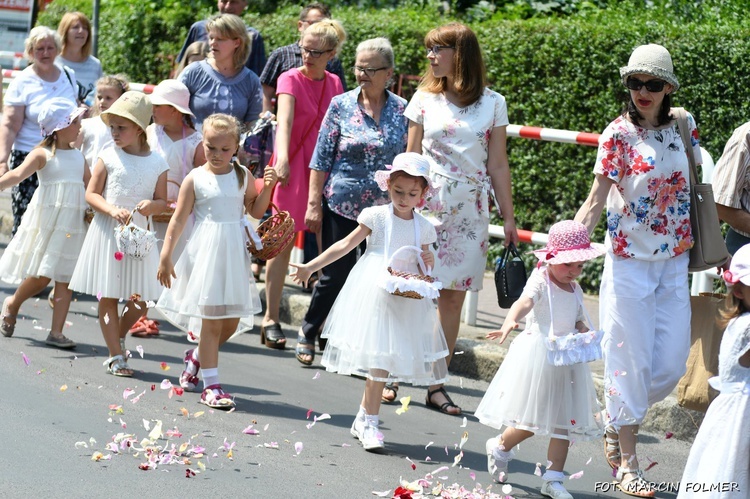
[682, 126]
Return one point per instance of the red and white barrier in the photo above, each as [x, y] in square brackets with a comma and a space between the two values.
[553, 135]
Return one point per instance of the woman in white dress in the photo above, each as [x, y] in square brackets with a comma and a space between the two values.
[460, 124]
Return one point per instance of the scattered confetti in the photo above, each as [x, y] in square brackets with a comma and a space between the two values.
[63, 388]
[573, 422]
[271, 445]
[619, 345]
[127, 393]
[464, 438]
[119, 255]
[507, 489]
[309, 411]
[139, 349]
[317, 375]
[165, 384]
[404, 405]
[385, 493]
[106, 318]
[198, 414]
[413, 466]
[298, 447]
[668, 435]
[465, 422]
[458, 458]
[250, 431]
[651, 464]
[430, 443]
[538, 470]
[588, 462]
[576, 476]
[25, 359]
[473, 476]
[164, 366]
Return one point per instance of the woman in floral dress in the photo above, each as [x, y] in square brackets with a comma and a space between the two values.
[363, 130]
[460, 124]
[642, 177]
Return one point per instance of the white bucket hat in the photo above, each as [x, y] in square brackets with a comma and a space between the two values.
[57, 114]
[172, 93]
[651, 59]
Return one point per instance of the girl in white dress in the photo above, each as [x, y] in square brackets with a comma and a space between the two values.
[374, 333]
[719, 462]
[51, 233]
[213, 287]
[529, 396]
[173, 136]
[128, 179]
[95, 136]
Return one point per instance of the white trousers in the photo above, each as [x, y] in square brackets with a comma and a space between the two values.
[644, 310]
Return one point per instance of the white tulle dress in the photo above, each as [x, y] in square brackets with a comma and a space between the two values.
[49, 239]
[214, 279]
[370, 329]
[130, 179]
[720, 455]
[530, 394]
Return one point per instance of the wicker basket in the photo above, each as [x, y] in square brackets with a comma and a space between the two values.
[276, 233]
[166, 216]
[409, 275]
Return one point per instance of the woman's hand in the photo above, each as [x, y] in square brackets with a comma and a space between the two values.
[165, 273]
[270, 176]
[301, 273]
[428, 258]
[511, 233]
[503, 332]
[120, 214]
[314, 217]
[282, 170]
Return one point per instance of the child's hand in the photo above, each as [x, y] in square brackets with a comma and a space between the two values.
[301, 273]
[270, 177]
[502, 333]
[165, 272]
[428, 258]
[146, 208]
[120, 214]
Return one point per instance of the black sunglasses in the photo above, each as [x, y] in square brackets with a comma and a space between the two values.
[651, 85]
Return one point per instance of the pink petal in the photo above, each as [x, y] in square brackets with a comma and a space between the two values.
[139, 349]
[309, 411]
[165, 384]
[298, 447]
[538, 470]
[669, 435]
[250, 431]
[25, 359]
[473, 476]
[576, 476]
[650, 465]
[127, 393]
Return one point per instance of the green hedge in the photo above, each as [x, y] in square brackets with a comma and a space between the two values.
[555, 72]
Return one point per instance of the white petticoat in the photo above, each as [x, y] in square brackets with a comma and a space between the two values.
[371, 329]
[530, 394]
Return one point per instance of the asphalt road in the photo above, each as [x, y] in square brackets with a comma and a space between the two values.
[60, 401]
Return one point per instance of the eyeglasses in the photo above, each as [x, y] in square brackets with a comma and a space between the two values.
[370, 72]
[314, 53]
[435, 49]
[651, 85]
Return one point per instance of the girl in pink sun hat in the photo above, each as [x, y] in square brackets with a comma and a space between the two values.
[555, 401]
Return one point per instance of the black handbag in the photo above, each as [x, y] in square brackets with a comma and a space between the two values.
[510, 276]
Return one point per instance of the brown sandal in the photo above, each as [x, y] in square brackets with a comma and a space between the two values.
[392, 387]
[612, 449]
[272, 336]
[445, 405]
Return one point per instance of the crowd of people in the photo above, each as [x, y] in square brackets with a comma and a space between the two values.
[400, 194]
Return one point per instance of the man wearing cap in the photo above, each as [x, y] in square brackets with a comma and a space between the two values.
[731, 183]
[290, 56]
[198, 33]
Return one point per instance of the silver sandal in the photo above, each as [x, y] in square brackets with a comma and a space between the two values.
[635, 485]
[117, 365]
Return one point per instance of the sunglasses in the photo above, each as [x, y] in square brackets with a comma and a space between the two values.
[651, 85]
[314, 53]
[370, 72]
[435, 49]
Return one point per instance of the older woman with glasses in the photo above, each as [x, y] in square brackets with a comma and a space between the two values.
[643, 179]
[363, 130]
[303, 96]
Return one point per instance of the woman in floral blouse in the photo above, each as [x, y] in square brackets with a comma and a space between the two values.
[363, 130]
[642, 176]
[460, 123]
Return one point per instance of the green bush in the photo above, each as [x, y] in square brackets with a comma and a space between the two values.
[556, 71]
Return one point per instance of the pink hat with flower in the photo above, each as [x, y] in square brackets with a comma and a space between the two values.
[739, 269]
[412, 163]
[568, 242]
[58, 113]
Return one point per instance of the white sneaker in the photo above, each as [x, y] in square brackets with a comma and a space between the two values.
[555, 490]
[371, 438]
[358, 428]
[496, 467]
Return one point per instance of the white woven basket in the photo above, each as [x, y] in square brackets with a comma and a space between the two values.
[134, 241]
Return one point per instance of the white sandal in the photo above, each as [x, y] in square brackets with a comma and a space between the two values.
[117, 365]
[635, 484]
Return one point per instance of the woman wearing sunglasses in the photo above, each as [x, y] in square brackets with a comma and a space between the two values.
[303, 95]
[642, 177]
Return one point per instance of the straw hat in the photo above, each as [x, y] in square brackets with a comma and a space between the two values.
[57, 114]
[131, 105]
[409, 162]
[651, 59]
[739, 269]
[568, 242]
[172, 93]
